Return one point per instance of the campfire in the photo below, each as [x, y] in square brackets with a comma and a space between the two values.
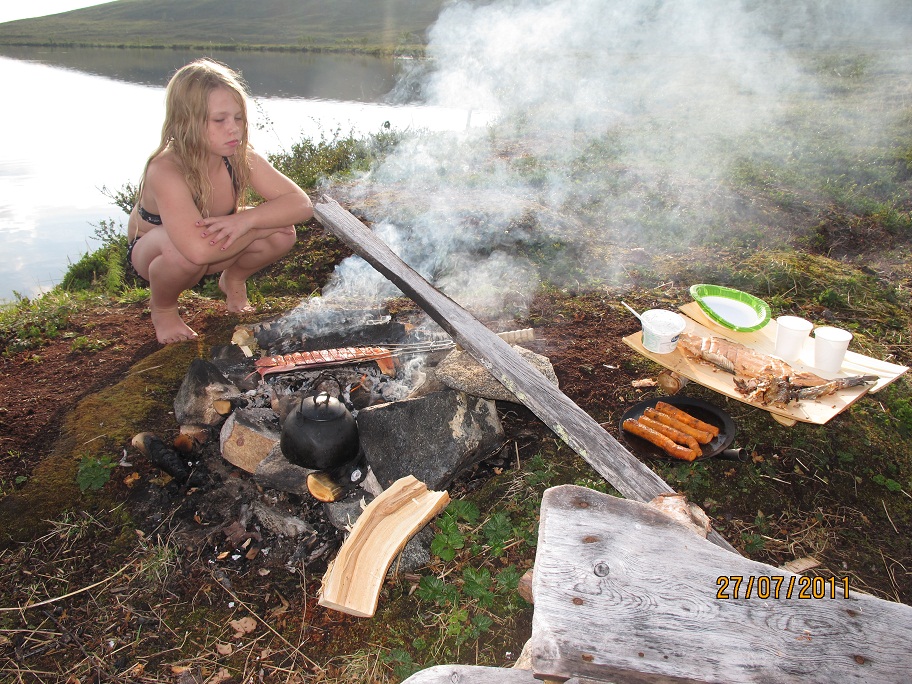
[291, 431]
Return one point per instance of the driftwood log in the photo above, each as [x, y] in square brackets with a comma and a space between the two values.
[569, 422]
[623, 593]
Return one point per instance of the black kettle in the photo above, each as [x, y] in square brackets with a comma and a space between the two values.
[320, 433]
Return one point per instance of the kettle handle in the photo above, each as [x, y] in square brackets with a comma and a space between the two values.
[328, 376]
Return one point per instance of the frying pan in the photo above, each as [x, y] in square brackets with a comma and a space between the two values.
[719, 447]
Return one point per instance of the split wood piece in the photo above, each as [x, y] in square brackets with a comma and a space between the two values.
[244, 338]
[623, 594]
[514, 336]
[184, 443]
[198, 433]
[671, 382]
[581, 432]
[352, 582]
[223, 407]
[800, 565]
[323, 487]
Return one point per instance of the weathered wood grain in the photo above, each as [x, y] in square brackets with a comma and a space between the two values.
[623, 592]
[574, 426]
[353, 581]
[469, 674]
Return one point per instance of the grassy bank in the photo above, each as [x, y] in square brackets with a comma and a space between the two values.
[392, 26]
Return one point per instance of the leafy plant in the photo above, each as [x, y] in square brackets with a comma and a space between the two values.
[887, 482]
[309, 162]
[497, 532]
[508, 579]
[753, 543]
[435, 590]
[7, 487]
[94, 472]
[125, 197]
[30, 323]
[477, 585]
[450, 538]
[401, 662]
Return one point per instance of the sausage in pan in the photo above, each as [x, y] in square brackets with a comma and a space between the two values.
[685, 417]
[671, 421]
[661, 441]
[675, 435]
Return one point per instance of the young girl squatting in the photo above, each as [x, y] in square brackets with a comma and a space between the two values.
[188, 221]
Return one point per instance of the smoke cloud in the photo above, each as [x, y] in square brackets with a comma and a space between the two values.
[674, 94]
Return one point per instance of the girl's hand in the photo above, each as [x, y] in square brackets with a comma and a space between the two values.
[224, 229]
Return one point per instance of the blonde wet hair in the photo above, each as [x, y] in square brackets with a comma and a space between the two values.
[184, 129]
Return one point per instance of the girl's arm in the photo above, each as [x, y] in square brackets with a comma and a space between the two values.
[286, 205]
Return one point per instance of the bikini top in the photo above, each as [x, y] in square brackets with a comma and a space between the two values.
[156, 220]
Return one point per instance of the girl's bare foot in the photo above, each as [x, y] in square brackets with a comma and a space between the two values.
[170, 327]
[235, 295]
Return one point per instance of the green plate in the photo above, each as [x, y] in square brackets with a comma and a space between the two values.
[733, 309]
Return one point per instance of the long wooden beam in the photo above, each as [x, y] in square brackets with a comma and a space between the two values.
[568, 421]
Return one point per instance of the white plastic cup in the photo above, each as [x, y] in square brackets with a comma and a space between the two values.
[661, 330]
[791, 332]
[830, 345]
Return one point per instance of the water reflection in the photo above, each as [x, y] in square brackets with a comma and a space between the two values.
[354, 78]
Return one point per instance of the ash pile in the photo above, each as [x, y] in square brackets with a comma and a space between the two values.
[287, 433]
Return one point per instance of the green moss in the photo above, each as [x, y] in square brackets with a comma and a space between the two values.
[100, 425]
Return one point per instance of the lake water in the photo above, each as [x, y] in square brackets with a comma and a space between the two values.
[77, 120]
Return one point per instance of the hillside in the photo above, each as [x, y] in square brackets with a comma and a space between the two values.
[317, 24]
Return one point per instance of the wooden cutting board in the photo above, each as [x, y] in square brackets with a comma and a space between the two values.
[817, 411]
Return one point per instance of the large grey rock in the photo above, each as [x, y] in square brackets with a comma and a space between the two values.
[462, 372]
[277, 472]
[248, 436]
[280, 522]
[415, 554]
[235, 365]
[343, 514]
[434, 437]
[203, 384]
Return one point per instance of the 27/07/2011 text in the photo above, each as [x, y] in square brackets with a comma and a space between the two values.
[778, 586]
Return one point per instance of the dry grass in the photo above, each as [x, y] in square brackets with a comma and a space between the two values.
[54, 630]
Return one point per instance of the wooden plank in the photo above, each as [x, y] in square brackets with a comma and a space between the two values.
[353, 581]
[471, 674]
[817, 411]
[477, 674]
[623, 591]
[584, 435]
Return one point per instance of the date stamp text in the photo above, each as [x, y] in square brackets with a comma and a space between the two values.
[777, 586]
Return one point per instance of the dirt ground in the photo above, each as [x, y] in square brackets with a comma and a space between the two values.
[38, 387]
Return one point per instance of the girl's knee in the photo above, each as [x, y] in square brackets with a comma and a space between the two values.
[285, 239]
